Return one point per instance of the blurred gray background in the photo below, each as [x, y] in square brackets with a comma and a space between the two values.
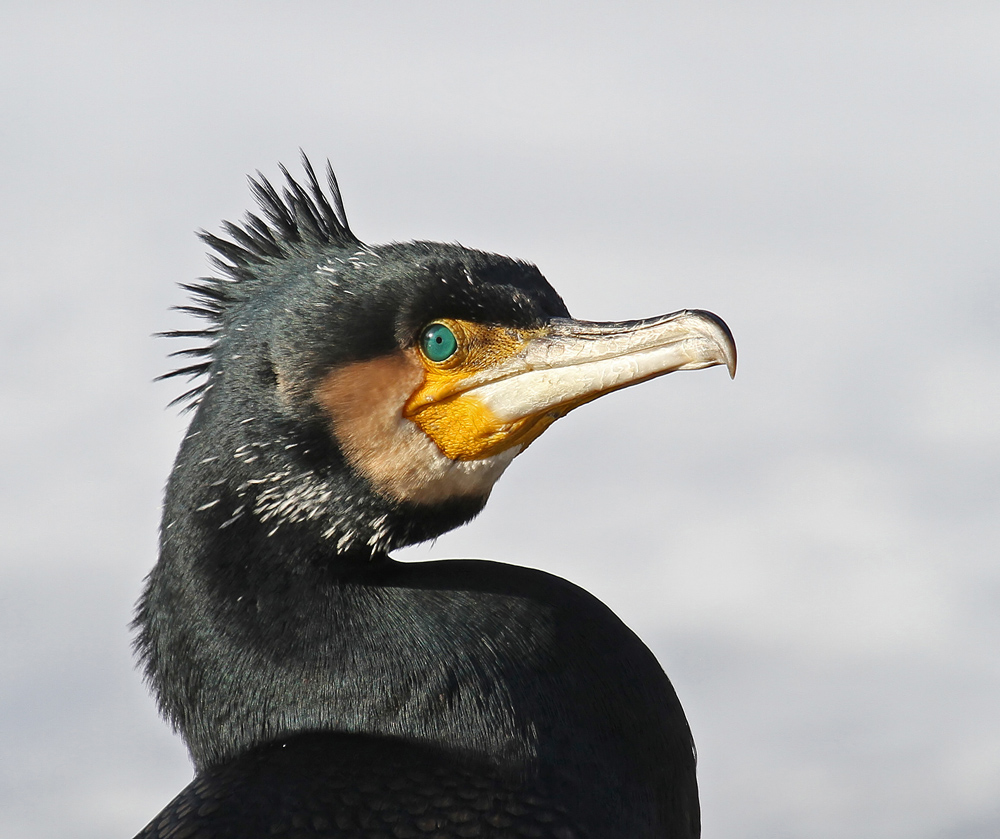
[811, 550]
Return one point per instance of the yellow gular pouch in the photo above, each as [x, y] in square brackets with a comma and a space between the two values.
[445, 407]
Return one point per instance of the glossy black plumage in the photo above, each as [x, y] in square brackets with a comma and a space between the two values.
[324, 689]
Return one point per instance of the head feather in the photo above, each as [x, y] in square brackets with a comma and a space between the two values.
[297, 220]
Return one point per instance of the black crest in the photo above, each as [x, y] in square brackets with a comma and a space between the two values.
[295, 221]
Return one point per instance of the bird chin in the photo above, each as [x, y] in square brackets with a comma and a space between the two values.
[413, 469]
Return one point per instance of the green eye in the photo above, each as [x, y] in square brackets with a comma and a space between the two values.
[438, 342]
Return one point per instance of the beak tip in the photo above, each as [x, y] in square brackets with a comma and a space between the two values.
[723, 337]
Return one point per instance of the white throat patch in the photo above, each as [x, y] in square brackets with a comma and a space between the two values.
[365, 401]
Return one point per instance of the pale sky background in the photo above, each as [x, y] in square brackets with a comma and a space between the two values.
[811, 550]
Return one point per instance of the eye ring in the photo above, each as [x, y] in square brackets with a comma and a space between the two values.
[437, 342]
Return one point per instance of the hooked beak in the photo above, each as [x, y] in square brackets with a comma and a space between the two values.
[480, 412]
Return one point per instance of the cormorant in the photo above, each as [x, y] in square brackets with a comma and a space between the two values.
[350, 400]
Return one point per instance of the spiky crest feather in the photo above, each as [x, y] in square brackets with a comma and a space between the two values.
[298, 218]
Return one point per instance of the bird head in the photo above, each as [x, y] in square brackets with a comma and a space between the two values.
[377, 393]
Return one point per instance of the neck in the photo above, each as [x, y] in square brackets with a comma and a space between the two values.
[247, 636]
[247, 639]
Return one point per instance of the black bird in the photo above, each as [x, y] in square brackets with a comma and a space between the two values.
[352, 400]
